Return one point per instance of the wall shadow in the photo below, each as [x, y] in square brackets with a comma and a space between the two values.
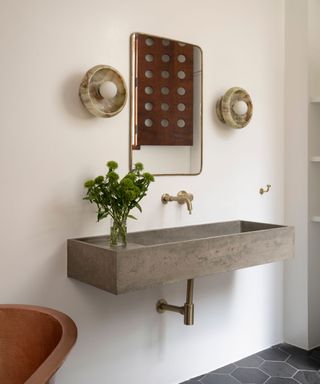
[71, 99]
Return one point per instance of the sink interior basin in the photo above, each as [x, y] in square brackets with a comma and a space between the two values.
[187, 233]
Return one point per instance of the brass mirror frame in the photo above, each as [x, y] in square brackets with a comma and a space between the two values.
[132, 104]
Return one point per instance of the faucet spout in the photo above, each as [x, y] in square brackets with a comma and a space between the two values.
[185, 198]
[189, 206]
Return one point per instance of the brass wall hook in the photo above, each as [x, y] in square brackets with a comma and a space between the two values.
[265, 190]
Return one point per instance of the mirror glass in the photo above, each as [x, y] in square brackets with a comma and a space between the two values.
[166, 105]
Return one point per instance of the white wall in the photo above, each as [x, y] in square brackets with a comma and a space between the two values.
[302, 187]
[314, 173]
[296, 171]
[50, 145]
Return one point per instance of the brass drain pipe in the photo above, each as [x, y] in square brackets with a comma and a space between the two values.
[187, 310]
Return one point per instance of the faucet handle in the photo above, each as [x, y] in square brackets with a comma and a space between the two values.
[184, 195]
[165, 198]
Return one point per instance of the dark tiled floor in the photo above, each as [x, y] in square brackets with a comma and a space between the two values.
[281, 364]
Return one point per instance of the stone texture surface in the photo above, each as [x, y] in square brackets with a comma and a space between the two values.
[271, 366]
[253, 361]
[250, 375]
[273, 354]
[169, 255]
[278, 368]
[307, 377]
[216, 378]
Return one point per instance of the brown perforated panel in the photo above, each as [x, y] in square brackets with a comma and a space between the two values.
[164, 91]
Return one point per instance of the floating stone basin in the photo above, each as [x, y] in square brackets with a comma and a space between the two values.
[174, 254]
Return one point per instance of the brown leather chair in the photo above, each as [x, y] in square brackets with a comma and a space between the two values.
[34, 342]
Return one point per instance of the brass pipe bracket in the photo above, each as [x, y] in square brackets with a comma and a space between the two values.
[187, 310]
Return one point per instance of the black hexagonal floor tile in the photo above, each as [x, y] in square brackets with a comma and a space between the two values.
[252, 361]
[278, 369]
[250, 375]
[304, 362]
[281, 380]
[315, 353]
[292, 350]
[274, 354]
[217, 378]
[307, 377]
[281, 364]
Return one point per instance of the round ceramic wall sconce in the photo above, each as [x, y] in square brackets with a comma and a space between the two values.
[235, 108]
[103, 91]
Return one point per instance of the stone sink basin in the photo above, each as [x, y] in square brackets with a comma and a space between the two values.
[174, 254]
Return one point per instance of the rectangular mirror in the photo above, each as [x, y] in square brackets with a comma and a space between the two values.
[166, 105]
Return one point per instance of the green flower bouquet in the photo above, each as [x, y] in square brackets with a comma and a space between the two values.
[116, 198]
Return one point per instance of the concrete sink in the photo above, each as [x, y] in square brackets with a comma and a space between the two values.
[173, 254]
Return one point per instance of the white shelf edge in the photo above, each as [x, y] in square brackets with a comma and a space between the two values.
[315, 219]
[315, 159]
[315, 100]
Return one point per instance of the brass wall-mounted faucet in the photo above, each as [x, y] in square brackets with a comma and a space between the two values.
[182, 197]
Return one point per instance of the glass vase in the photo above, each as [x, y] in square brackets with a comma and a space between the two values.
[118, 233]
